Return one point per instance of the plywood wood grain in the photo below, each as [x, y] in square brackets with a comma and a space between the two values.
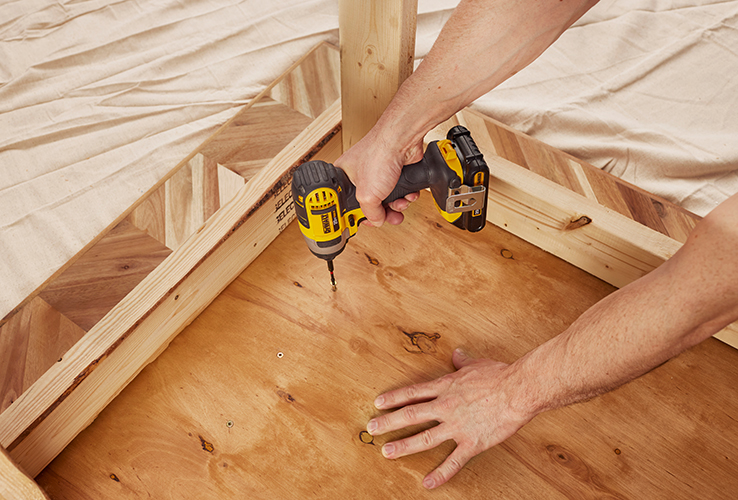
[266, 394]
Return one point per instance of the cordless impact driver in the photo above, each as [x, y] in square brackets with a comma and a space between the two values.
[453, 169]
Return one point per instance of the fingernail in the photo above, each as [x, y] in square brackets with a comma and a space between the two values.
[388, 450]
[371, 426]
[460, 352]
[428, 482]
[379, 401]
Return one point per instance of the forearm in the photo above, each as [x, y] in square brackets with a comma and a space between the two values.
[689, 298]
[483, 43]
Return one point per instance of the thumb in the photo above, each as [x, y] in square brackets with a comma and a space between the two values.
[462, 359]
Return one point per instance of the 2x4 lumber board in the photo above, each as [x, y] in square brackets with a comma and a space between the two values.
[69, 396]
[377, 40]
[14, 483]
[222, 413]
[577, 229]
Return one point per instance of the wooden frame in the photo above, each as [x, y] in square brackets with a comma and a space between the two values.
[574, 226]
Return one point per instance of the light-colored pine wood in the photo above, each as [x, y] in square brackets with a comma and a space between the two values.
[324, 52]
[565, 223]
[377, 39]
[185, 206]
[229, 184]
[295, 367]
[14, 483]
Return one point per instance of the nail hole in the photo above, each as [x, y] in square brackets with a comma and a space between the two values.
[279, 354]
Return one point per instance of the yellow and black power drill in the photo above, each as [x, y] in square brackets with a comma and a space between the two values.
[453, 169]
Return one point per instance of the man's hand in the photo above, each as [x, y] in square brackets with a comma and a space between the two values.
[374, 166]
[472, 405]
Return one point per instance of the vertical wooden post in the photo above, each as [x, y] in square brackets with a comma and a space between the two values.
[377, 39]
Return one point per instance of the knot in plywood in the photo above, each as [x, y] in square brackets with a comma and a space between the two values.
[422, 343]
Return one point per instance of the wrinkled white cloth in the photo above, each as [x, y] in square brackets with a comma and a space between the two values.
[99, 99]
[646, 90]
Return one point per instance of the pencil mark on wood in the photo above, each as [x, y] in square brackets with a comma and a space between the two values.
[577, 223]
[422, 343]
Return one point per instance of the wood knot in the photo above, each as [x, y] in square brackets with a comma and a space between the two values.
[357, 344]
[285, 396]
[577, 223]
[366, 438]
[422, 343]
[207, 446]
[660, 210]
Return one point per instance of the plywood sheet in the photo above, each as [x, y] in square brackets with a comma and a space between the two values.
[266, 394]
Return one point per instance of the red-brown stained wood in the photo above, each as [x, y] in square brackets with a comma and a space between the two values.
[256, 136]
[86, 291]
[30, 342]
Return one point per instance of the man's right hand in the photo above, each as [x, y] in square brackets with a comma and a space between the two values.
[374, 166]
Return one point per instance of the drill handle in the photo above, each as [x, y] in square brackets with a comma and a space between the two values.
[430, 172]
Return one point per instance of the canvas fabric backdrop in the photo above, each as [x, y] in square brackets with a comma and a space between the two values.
[99, 99]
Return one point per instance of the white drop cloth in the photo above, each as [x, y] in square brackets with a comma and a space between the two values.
[100, 98]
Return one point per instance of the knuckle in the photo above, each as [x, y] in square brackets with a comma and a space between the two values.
[411, 392]
[410, 413]
[426, 438]
[447, 404]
